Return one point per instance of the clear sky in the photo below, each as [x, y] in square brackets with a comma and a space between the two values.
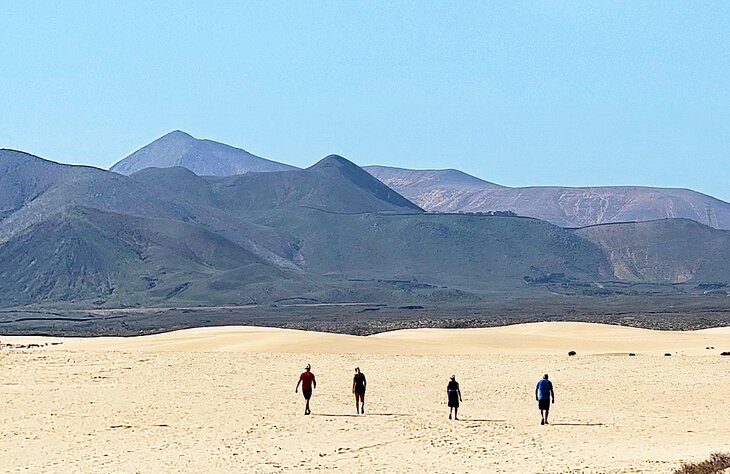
[540, 93]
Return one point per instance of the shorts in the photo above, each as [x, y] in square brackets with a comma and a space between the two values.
[544, 404]
[360, 390]
[307, 393]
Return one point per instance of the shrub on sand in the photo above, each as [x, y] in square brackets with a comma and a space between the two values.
[717, 462]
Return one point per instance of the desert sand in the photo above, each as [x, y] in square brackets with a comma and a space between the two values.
[222, 400]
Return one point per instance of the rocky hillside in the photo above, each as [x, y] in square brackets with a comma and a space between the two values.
[563, 206]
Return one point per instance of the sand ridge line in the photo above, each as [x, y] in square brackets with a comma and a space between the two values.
[531, 338]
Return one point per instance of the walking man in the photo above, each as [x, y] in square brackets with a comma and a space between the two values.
[543, 394]
[308, 383]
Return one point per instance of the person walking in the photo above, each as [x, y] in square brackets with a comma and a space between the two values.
[308, 383]
[454, 395]
[543, 394]
[359, 383]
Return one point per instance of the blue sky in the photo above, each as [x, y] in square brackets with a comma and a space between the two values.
[539, 93]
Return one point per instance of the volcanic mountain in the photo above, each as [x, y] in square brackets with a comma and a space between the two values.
[453, 191]
[202, 157]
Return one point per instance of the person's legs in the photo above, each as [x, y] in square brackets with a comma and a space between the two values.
[544, 406]
[456, 413]
[546, 416]
[357, 402]
[307, 395]
[451, 409]
[362, 403]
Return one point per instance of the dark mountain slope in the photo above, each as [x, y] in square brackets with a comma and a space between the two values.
[33, 189]
[333, 184]
[664, 251]
[203, 157]
[89, 255]
[179, 182]
[466, 251]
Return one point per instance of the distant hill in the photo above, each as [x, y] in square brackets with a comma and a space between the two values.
[427, 179]
[92, 257]
[33, 189]
[202, 157]
[563, 206]
[334, 184]
[663, 251]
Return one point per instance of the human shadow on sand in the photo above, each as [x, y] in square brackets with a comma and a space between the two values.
[364, 414]
[482, 420]
[577, 424]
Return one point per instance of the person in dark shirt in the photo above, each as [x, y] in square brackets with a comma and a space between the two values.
[358, 388]
[454, 394]
[543, 393]
[308, 383]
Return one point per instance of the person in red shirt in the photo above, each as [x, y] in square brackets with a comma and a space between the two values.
[308, 382]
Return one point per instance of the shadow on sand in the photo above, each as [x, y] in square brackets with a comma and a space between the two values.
[358, 416]
[576, 424]
[482, 420]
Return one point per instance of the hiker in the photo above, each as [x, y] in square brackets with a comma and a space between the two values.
[543, 393]
[454, 395]
[308, 383]
[358, 388]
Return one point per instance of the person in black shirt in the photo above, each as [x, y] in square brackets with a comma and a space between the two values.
[454, 394]
[358, 388]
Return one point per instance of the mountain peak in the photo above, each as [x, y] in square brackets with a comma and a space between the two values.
[177, 134]
[337, 161]
[202, 157]
[338, 167]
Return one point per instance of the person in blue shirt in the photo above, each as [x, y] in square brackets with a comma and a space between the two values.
[543, 394]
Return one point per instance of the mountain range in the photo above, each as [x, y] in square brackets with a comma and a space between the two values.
[86, 237]
[456, 191]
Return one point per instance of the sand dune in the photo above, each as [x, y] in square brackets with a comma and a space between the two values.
[534, 338]
[222, 399]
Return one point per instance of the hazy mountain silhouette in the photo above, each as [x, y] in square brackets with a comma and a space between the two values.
[445, 191]
[202, 157]
[427, 179]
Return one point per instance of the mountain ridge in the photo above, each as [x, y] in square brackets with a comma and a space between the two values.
[202, 156]
[561, 205]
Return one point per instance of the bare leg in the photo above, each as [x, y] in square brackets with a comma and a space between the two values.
[306, 409]
[362, 403]
[542, 417]
[357, 402]
[546, 416]
[451, 409]
[456, 413]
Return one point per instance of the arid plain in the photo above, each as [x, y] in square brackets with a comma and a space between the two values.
[222, 399]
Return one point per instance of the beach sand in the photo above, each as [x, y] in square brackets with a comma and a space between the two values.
[222, 399]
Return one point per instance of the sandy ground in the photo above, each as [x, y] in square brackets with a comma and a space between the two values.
[222, 399]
